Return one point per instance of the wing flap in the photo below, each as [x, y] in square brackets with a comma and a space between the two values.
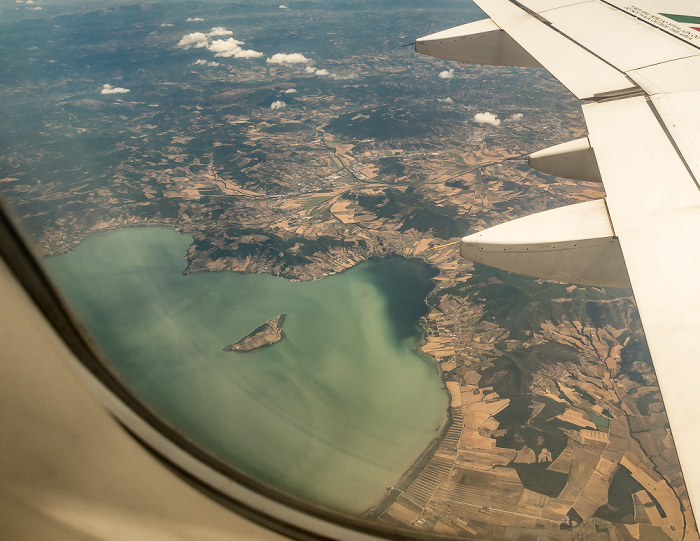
[620, 49]
[581, 72]
[654, 205]
[540, 6]
[680, 113]
[609, 33]
[681, 75]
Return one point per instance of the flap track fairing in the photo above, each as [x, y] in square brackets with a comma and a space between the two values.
[573, 159]
[479, 42]
[573, 244]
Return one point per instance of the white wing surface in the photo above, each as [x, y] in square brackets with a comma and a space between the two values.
[638, 69]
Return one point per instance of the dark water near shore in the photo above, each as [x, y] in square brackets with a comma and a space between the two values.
[334, 413]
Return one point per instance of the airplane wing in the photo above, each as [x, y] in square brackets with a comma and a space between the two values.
[637, 68]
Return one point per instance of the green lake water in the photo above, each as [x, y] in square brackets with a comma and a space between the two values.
[335, 412]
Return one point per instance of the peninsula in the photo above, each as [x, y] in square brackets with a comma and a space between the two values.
[267, 334]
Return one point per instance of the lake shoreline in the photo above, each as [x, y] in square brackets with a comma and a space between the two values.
[377, 278]
[393, 492]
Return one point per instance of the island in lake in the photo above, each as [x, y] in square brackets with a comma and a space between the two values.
[267, 334]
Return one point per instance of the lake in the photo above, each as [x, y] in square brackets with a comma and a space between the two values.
[335, 412]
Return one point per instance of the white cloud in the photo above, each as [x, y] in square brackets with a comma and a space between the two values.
[343, 77]
[487, 118]
[248, 53]
[447, 74]
[322, 72]
[225, 48]
[279, 104]
[290, 58]
[167, 24]
[109, 89]
[447, 100]
[33, 7]
[202, 62]
[194, 19]
[290, 91]
[515, 117]
[317, 71]
[195, 39]
[220, 31]
[282, 6]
